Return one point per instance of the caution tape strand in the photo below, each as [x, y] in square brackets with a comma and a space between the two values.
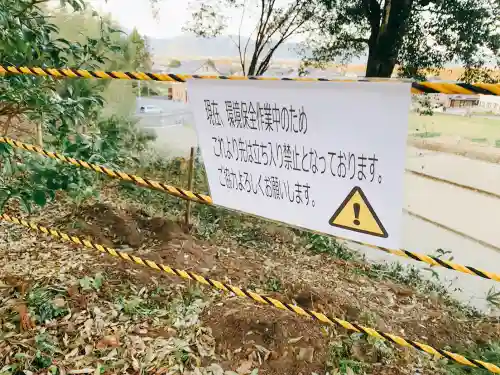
[151, 184]
[205, 199]
[256, 297]
[417, 87]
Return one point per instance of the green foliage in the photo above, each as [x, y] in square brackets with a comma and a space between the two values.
[29, 38]
[138, 307]
[41, 361]
[339, 357]
[33, 180]
[493, 297]
[420, 36]
[174, 63]
[327, 245]
[136, 52]
[423, 105]
[489, 352]
[91, 283]
[273, 284]
[40, 302]
[63, 107]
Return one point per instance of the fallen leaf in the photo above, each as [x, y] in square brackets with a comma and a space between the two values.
[108, 341]
[25, 321]
[215, 369]
[111, 355]
[245, 367]
[205, 343]
[82, 371]
[59, 302]
[306, 354]
[71, 353]
[135, 364]
[294, 340]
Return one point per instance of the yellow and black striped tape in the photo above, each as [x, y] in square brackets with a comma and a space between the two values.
[435, 261]
[242, 292]
[417, 87]
[152, 184]
[205, 199]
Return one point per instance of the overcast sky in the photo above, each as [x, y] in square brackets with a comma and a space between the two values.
[172, 16]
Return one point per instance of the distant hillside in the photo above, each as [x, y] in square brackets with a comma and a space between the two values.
[186, 46]
[222, 46]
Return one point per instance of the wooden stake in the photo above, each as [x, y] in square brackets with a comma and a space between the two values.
[39, 134]
[187, 218]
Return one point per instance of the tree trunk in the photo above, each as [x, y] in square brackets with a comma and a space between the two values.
[380, 62]
[252, 68]
[388, 26]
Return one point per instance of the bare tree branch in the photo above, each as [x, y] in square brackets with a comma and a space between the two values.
[274, 26]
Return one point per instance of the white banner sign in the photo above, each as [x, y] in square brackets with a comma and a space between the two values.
[324, 156]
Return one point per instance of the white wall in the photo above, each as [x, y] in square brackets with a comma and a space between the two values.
[489, 103]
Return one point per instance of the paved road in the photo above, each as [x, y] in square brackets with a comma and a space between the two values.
[470, 213]
[173, 128]
[175, 140]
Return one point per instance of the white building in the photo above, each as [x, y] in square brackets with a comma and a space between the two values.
[489, 103]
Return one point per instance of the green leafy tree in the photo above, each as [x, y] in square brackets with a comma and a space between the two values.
[28, 38]
[174, 63]
[137, 57]
[418, 36]
[136, 52]
[132, 53]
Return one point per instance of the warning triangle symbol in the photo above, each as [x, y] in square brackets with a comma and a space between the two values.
[356, 214]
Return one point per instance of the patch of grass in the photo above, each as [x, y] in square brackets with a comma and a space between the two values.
[220, 225]
[91, 283]
[451, 125]
[493, 297]
[40, 303]
[489, 352]
[45, 350]
[341, 359]
[479, 140]
[41, 361]
[45, 343]
[357, 353]
[413, 277]
[497, 143]
[273, 285]
[135, 306]
[185, 310]
[426, 134]
[327, 245]
[153, 304]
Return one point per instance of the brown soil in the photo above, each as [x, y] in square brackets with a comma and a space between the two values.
[110, 225]
[279, 342]
[274, 341]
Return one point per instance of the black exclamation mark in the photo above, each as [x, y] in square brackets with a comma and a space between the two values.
[356, 208]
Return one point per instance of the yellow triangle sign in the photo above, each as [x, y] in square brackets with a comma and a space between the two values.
[356, 214]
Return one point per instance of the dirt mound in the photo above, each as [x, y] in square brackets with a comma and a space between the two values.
[113, 226]
[249, 336]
